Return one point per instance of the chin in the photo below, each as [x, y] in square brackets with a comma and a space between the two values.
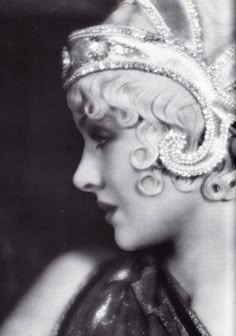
[127, 243]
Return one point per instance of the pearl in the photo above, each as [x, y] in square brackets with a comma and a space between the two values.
[109, 47]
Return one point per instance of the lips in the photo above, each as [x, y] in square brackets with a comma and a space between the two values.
[108, 208]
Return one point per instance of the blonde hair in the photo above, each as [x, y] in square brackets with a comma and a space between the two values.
[130, 95]
[152, 103]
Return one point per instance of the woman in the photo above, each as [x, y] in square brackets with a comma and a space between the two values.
[155, 107]
[156, 120]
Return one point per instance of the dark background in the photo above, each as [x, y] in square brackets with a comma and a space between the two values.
[41, 214]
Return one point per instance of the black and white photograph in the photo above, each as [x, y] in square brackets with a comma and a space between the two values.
[117, 168]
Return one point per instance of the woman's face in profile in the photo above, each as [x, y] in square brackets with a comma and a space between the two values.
[105, 170]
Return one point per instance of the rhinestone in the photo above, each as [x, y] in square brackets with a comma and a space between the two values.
[172, 148]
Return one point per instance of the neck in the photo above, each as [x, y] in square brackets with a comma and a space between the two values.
[204, 263]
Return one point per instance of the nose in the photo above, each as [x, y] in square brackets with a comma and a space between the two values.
[87, 176]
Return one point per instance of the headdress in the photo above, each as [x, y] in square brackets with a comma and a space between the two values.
[110, 47]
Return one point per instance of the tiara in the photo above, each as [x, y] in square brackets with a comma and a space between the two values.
[110, 47]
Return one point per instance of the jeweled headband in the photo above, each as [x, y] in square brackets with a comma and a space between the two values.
[110, 47]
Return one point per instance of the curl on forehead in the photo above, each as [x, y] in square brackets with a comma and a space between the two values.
[87, 96]
[131, 95]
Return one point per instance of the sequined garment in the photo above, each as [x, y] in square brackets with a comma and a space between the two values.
[131, 296]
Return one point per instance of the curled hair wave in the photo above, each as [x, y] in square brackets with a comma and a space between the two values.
[151, 102]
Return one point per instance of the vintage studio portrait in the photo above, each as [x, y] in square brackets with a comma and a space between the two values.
[118, 170]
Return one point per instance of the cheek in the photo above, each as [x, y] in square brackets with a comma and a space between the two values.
[148, 222]
[120, 175]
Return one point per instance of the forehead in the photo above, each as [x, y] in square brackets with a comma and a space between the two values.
[99, 97]
[85, 96]
[88, 110]
[89, 113]
[91, 88]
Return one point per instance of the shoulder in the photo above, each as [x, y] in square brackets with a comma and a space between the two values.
[40, 308]
[121, 291]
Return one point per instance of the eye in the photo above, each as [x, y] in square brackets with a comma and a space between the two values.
[101, 138]
[101, 142]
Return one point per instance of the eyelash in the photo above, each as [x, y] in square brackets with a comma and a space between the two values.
[100, 140]
[101, 143]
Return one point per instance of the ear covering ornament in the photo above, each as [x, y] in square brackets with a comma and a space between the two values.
[110, 47]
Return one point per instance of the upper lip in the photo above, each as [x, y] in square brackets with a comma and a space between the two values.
[106, 206]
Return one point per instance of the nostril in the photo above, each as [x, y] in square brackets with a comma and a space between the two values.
[87, 187]
[87, 176]
[81, 183]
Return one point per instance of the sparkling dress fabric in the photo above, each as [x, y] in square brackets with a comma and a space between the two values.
[131, 296]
